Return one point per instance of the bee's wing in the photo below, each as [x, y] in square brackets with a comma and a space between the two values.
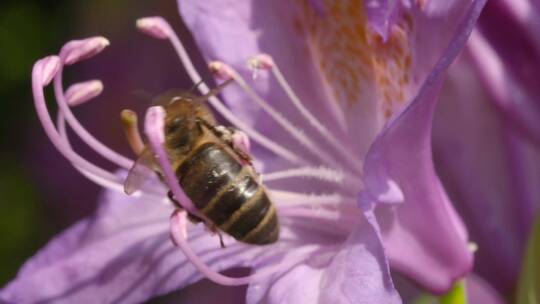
[140, 173]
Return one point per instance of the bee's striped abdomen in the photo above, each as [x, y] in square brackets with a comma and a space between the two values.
[226, 192]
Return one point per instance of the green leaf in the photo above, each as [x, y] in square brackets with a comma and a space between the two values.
[458, 294]
[426, 299]
[529, 282]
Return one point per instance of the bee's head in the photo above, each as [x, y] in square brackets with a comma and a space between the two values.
[184, 112]
[181, 114]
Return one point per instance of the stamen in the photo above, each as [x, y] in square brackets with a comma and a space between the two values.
[42, 73]
[296, 132]
[130, 125]
[116, 186]
[224, 111]
[321, 173]
[261, 62]
[88, 47]
[347, 213]
[338, 218]
[345, 181]
[154, 125]
[156, 27]
[151, 193]
[61, 126]
[264, 61]
[179, 240]
[82, 92]
[221, 70]
[241, 142]
[313, 200]
[43, 70]
[257, 63]
[77, 50]
[182, 223]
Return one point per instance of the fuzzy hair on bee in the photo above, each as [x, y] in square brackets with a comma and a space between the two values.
[214, 173]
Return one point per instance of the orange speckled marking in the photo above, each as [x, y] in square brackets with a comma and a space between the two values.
[354, 61]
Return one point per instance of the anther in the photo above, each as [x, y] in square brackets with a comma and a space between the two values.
[156, 27]
[221, 70]
[46, 69]
[260, 61]
[154, 125]
[130, 125]
[77, 50]
[82, 92]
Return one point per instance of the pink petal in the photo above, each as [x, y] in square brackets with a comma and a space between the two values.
[353, 272]
[122, 254]
[490, 172]
[233, 31]
[480, 292]
[424, 237]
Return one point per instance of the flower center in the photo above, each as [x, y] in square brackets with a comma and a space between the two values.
[332, 212]
[354, 60]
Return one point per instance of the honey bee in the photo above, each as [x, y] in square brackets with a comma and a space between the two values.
[217, 176]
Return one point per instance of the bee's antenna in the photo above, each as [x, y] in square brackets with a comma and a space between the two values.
[219, 88]
[195, 86]
[213, 91]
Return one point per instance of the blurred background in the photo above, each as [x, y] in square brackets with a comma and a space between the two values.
[41, 193]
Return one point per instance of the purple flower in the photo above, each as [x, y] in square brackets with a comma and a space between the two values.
[493, 90]
[339, 118]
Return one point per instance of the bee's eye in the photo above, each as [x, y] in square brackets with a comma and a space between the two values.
[175, 124]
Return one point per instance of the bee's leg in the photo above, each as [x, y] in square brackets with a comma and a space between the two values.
[215, 230]
[236, 139]
[221, 240]
[223, 133]
[192, 218]
[221, 243]
[170, 195]
[241, 144]
[129, 123]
